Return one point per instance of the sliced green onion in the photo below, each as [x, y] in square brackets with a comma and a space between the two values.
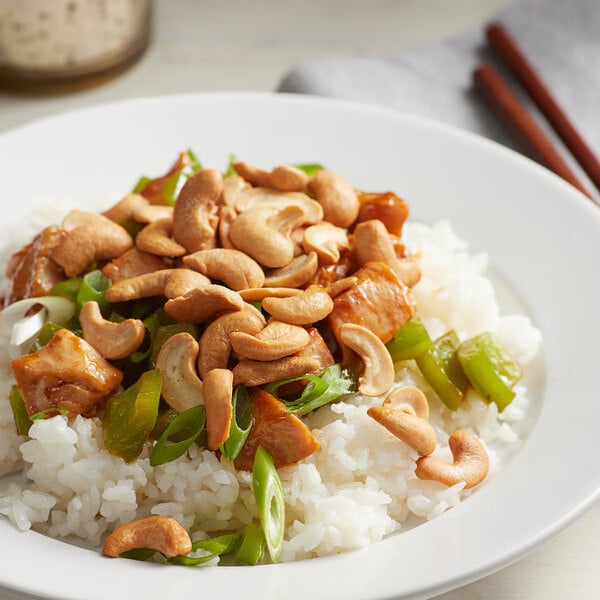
[217, 546]
[229, 171]
[270, 501]
[326, 386]
[309, 168]
[252, 548]
[241, 423]
[410, 341]
[179, 435]
[93, 286]
[442, 370]
[131, 416]
[67, 288]
[20, 414]
[490, 369]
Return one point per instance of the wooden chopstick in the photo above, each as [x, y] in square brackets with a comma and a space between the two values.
[505, 102]
[509, 52]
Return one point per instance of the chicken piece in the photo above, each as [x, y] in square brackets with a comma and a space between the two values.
[317, 348]
[284, 435]
[132, 263]
[67, 373]
[386, 206]
[31, 270]
[377, 301]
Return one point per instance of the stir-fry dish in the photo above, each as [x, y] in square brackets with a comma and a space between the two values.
[250, 365]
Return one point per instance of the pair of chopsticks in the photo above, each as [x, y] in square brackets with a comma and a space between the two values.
[489, 82]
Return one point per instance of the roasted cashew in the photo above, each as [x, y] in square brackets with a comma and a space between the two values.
[176, 360]
[275, 341]
[149, 213]
[337, 197]
[253, 175]
[157, 238]
[234, 268]
[194, 221]
[295, 274]
[259, 294]
[263, 232]
[339, 286]
[132, 263]
[75, 218]
[404, 413]
[227, 214]
[163, 534]
[93, 241]
[202, 304]
[111, 340]
[140, 286]
[312, 305]
[182, 281]
[255, 372]
[372, 242]
[288, 179]
[378, 373]
[232, 186]
[326, 240]
[218, 389]
[471, 462]
[215, 344]
[125, 208]
[264, 197]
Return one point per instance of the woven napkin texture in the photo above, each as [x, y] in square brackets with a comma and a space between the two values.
[560, 37]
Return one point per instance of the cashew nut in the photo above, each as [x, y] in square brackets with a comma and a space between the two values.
[378, 373]
[125, 208]
[232, 186]
[111, 340]
[234, 268]
[157, 238]
[471, 462]
[295, 274]
[339, 286]
[215, 343]
[253, 175]
[326, 240]
[140, 286]
[176, 360]
[227, 214]
[100, 239]
[255, 372]
[218, 389]
[264, 197]
[404, 413]
[194, 222]
[259, 294]
[163, 534]
[201, 304]
[132, 263]
[148, 213]
[337, 197]
[288, 178]
[312, 305]
[182, 281]
[275, 341]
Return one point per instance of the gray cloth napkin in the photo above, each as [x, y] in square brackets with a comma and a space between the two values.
[560, 37]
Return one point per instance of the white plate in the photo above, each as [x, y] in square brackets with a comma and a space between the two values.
[543, 238]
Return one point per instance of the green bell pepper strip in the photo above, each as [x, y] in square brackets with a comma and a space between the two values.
[93, 286]
[326, 386]
[68, 288]
[131, 416]
[217, 546]
[20, 414]
[270, 501]
[179, 435]
[410, 341]
[489, 368]
[241, 423]
[151, 325]
[443, 372]
[176, 181]
[252, 548]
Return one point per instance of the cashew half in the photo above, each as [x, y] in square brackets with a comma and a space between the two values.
[125, 208]
[194, 222]
[182, 281]
[176, 360]
[312, 305]
[97, 240]
[378, 373]
[215, 343]
[253, 175]
[411, 397]
[111, 340]
[140, 286]
[218, 389]
[163, 534]
[259, 294]
[234, 268]
[157, 238]
[275, 341]
[289, 179]
[337, 197]
[255, 372]
[471, 462]
[326, 240]
[202, 304]
[295, 274]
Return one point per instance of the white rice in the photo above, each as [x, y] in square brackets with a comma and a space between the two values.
[357, 489]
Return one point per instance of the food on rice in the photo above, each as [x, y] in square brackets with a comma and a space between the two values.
[256, 359]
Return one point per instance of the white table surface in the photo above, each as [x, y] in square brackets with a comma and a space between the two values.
[212, 45]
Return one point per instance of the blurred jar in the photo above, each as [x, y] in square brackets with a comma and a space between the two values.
[57, 46]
